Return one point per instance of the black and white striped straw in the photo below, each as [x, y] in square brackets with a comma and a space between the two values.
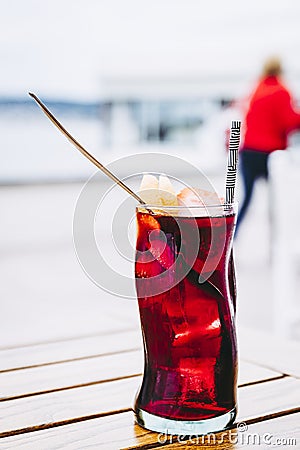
[233, 151]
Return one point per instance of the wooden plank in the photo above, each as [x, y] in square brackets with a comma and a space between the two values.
[34, 355]
[63, 407]
[248, 371]
[109, 433]
[255, 346]
[270, 351]
[65, 375]
[251, 373]
[261, 349]
[85, 371]
[119, 432]
[267, 398]
[69, 405]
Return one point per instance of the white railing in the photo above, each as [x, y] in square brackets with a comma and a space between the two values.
[285, 240]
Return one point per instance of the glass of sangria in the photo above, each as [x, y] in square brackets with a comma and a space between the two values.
[186, 291]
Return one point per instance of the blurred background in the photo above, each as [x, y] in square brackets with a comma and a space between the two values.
[125, 78]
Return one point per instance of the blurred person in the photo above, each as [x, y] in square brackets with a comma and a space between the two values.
[269, 118]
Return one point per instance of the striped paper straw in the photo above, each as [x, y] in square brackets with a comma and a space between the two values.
[234, 142]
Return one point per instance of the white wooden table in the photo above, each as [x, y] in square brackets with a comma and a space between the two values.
[78, 394]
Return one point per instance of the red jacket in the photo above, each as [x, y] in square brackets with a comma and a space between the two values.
[270, 117]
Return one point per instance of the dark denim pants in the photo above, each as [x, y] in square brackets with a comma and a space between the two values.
[253, 165]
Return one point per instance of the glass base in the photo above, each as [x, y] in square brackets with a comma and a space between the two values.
[184, 427]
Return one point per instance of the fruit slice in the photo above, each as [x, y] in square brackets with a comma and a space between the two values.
[209, 197]
[148, 222]
[189, 197]
[149, 190]
[157, 192]
[146, 266]
[197, 197]
[167, 192]
[149, 182]
[161, 251]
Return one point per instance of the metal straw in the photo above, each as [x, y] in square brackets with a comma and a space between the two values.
[234, 142]
[83, 150]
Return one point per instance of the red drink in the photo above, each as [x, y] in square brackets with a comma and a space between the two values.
[188, 326]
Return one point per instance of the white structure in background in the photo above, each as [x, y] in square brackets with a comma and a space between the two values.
[120, 88]
[179, 116]
[285, 239]
[123, 131]
[171, 106]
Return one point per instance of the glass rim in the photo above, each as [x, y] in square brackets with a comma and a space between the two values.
[182, 207]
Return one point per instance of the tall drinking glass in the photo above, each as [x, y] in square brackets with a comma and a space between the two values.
[186, 293]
